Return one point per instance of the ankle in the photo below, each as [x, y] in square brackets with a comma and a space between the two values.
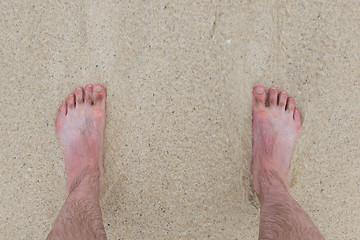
[270, 183]
[87, 182]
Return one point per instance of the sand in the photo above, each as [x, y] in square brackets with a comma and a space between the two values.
[179, 77]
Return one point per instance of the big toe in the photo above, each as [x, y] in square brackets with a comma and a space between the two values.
[99, 94]
[259, 96]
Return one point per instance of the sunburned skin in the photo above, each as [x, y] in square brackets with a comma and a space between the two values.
[275, 130]
[80, 128]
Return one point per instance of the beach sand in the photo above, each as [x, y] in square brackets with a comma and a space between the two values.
[179, 77]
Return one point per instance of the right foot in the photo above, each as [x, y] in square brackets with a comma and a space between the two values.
[80, 128]
[275, 130]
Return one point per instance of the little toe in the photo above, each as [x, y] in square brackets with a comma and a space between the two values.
[282, 99]
[70, 102]
[99, 96]
[79, 95]
[297, 115]
[62, 111]
[273, 96]
[297, 118]
[88, 99]
[259, 96]
[290, 106]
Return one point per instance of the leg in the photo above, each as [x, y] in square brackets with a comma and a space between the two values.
[80, 128]
[275, 130]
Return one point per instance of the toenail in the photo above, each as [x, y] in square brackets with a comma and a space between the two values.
[79, 88]
[259, 90]
[98, 88]
[89, 85]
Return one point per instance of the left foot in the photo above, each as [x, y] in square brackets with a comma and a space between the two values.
[80, 128]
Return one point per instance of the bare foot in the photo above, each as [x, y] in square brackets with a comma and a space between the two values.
[80, 128]
[275, 130]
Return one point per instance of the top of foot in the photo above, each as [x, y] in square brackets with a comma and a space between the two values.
[275, 130]
[80, 128]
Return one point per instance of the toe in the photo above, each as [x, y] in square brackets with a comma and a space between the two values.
[259, 94]
[88, 99]
[61, 119]
[71, 101]
[297, 115]
[62, 111]
[99, 96]
[282, 99]
[273, 96]
[297, 118]
[290, 106]
[79, 95]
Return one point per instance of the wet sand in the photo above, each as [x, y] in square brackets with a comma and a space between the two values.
[178, 137]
